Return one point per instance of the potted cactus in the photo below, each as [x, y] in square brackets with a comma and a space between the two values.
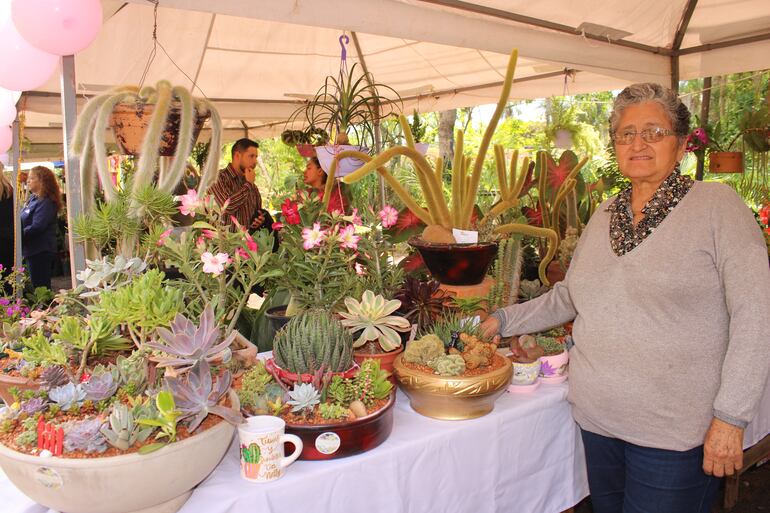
[450, 261]
[376, 328]
[252, 456]
[336, 407]
[452, 372]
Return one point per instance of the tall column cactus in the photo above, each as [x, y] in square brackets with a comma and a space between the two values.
[89, 140]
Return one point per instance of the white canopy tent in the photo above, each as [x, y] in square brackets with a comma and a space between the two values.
[258, 59]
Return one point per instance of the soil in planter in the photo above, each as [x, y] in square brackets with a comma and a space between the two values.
[371, 347]
[497, 362]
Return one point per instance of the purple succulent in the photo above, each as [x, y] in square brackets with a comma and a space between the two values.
[100, 387]
[53, 377]
[34, 405]
[84, 435]
[187, 344]
[196, 396]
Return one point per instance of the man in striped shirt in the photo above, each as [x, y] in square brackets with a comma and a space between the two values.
[235, 184]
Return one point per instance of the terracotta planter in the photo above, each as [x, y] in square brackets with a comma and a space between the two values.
[725, 162]
[452, 397]
[7, 382]
[152, 483]
[129, 122]
[456, 264]
[331, 441]
[385, 359]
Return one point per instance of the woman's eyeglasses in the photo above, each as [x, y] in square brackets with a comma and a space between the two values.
[649, 135]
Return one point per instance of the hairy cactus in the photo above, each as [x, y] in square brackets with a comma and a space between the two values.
[423, 350]
[311, 340]
[448, 365]
[123, 432]
[84, 436]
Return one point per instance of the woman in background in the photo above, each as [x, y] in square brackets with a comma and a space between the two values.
[38, 223]
[315, 178]
[6, 223]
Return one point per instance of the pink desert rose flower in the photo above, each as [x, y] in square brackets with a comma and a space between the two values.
[360, 269]
[241, 253]
[277, 225]
[190, 202]
[250, 243]
[348, 237]
[214, 264]
[290, 212]
[355, 218]
[163, 237]
[313, 236]
[209, 234]
[388, 216]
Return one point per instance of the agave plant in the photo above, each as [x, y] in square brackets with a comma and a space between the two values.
[187, 344]
[123, 432]
[371, 317]
[196, 396]
[303, 397]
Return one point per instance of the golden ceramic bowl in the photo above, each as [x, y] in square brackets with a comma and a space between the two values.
[452, 398]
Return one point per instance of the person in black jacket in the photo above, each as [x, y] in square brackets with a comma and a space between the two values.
[38, 223]
[6, 226]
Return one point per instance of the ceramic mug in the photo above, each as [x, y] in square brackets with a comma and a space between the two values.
[525, 373]
[261, 448]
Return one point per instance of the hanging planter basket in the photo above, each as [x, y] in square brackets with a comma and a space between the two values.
[345, 166]
[129, 123]
[726, 162]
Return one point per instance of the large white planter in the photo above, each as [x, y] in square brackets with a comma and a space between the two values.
[159, 482]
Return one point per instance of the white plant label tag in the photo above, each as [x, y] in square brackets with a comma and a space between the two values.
[49, 478]
[465, 236]
[327, 443]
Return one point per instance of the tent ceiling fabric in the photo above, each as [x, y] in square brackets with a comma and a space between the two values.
[257, 59]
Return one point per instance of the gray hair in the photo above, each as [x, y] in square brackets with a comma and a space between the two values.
[676, 111]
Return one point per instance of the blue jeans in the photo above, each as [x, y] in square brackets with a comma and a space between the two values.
[628, 478]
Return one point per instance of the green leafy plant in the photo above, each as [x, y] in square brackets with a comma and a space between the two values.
[333, 411]
[38, 349]
[165, 420]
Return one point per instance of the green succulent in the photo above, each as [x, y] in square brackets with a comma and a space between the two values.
[371, 317]
[38, 349]
[303, 398]
[333, 411]
[311, 340]
[123, 431]
[448, 365]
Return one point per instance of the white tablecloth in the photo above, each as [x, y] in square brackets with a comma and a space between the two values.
[525, 456]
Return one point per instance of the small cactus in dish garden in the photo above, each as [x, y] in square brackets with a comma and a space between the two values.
[448, 365]
[424, 349]
[84, 435]
[123, 431]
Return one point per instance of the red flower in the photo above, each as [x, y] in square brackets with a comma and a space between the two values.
[407, 220]
[290, 212]
[534, 216]
[277, 226]
[764, 215]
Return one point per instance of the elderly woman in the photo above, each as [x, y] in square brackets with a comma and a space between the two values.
[669, 290]
[38, 223]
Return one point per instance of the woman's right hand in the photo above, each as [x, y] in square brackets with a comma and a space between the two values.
[490, 328]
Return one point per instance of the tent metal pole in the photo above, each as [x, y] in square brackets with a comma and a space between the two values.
[16, 156]
[71, 165]
[704, 118]
[675, 73]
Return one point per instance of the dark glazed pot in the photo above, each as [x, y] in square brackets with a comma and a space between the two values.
[456, 264]
[332, 441]
[277, 317]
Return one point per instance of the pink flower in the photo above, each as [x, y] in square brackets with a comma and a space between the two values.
[355, 218]
[209, 234]
[241, 253]
[360, 269]
[277, 225]
[253, 247]
[190, 202]
[313, 237]
[214, 264]
[348, 237]
[389, 216]
[200, 242]
[163, 237]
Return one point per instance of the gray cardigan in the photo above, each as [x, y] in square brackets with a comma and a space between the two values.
[670, 334]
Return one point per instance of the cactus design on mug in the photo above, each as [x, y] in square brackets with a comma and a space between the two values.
[251, 456]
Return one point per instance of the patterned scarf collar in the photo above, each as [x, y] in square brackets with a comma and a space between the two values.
[623, 235]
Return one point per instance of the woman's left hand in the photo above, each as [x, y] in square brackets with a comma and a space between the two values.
[722, 449]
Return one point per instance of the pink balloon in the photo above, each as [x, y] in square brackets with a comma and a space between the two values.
[8, 101]
[22, 66]
[6, 138]
[61, 27]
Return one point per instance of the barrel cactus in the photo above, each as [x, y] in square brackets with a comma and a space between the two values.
[311, 340]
